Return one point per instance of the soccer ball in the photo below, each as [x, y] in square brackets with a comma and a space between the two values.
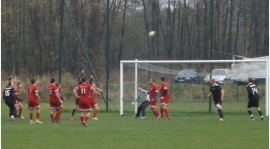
[152, 33]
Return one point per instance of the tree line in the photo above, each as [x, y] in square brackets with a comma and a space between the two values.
[31, 28]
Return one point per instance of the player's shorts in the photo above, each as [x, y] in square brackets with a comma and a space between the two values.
[33, 104]
[84, 105]
[93, 103]
[17, 102]
[164, 101]
[153, 103]
[54, 105]
[77, 101]
[253, 103]
[217, 101]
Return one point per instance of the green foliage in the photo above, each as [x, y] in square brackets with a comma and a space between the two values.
[191, 127]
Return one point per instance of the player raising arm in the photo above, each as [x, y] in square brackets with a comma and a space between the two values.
[165, 98]
[253, 99]
[33, 103]
[145, 102]
[55, 101]
[82, 91]
[93, 94]
[153, 94]
[218, 96]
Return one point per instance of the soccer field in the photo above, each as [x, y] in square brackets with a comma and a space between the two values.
[191, 127]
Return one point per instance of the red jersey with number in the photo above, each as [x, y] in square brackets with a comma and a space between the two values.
[31, 91]
[153, 90]
[163, 87]
[53, 92]
[84, 91]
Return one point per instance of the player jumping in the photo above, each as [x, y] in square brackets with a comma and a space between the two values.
[218, 96]
[253, 99]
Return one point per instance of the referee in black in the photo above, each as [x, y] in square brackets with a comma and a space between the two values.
[218, 96]
[10, 98]
[253, 99]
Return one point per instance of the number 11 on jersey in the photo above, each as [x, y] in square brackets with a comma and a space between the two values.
[83, 91]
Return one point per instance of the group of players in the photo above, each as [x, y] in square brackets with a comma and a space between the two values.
[86, 99]
[253, 98]
[151, 97]
[84, 92]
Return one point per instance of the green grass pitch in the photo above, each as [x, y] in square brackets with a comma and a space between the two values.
[191, 127]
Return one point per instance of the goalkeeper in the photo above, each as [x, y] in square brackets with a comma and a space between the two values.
[143, 94]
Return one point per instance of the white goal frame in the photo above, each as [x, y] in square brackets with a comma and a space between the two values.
[122, 62]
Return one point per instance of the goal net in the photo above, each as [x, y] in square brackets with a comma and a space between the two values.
[188, 83]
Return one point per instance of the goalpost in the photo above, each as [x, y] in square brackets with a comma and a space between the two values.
[136, 62]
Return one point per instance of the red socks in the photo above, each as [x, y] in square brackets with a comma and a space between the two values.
[166, 112]
[161, 112]
[51, 115]
[82, 119]
[95, 113]
[31, 116]
[58, 114]
[155, 112]
[37, 115]
[86, 118]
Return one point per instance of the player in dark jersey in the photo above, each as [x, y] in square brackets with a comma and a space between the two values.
[11, 80]
[10, 98]
[253, 99]
[218, 96]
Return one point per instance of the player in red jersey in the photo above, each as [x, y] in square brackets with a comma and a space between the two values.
[55, 101]
[33, 101]
[18, 104]
[96, 91]
[77, 99]
[153, 94]
[165, 98]
[82, 91]
[59, 94]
